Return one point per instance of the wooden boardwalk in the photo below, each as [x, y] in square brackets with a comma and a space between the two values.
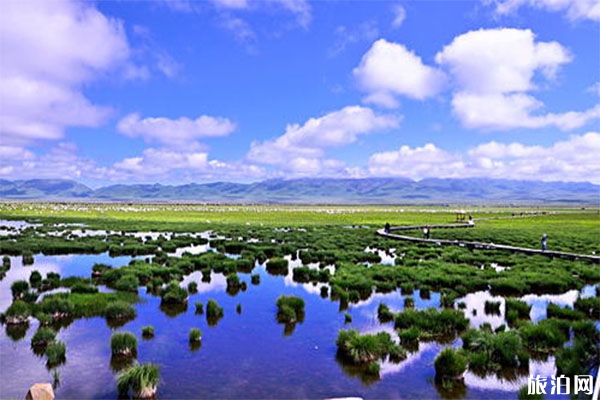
[478, 245]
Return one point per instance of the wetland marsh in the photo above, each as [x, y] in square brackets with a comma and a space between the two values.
[221, 271]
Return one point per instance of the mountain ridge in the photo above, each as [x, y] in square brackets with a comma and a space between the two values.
[314, 191]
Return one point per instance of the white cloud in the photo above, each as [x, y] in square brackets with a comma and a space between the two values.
[500, 60]
[179, 166]
[494, 69]
[389, 69]
[179, 132]
[416, 163]
[575, 9]
[302, 146]
[399, 16]
[574, 159]
[509, 111]
[161, 164]
[49, 50]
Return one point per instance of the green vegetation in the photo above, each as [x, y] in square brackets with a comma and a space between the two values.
[43, 337]
[450, 364]
[195, 335]
[141, 379]
[27, 257]
[489, 352]
[432, 323]
[123, 344]
[148, 332]
[583, 355]
[384, 314]
[19, 289]
[492, 307]
[199, 308]
[290, 309]
[330, 236]
[17, 313]
[516, 310]
[277, 266]
[213, 312]
[367, 349]
[174, 294]
[55, 354]
[546, 336]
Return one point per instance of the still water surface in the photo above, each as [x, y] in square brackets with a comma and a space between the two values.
[245, 355]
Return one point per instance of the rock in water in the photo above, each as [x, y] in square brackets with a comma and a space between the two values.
[40, 391]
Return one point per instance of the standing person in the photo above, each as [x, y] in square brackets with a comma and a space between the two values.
[387, 227]
[426, 233]
[544, 242]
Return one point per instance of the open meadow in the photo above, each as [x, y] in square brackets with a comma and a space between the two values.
[197, 301]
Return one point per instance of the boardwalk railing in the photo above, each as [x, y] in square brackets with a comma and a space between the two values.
[477, 245]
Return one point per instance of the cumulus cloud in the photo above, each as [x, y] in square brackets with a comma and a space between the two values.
[154, 164]
[500, 60]
[49, 50]
[399, 16]
[302, 146]
[416, 163]
[390, 69]
[179, 132]
[178, 166]
[575, 9]
[574, 159]
[493, 70]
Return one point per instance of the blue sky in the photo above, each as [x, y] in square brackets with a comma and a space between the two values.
[242, 90]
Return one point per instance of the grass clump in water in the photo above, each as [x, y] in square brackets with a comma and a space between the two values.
[43, 337]
[195, 335]
[214, 312]
[123, 344]
[431, 322]
[290, 309]
[450, 365]
[55, 354]
[173, 294]
[366, 349]
[277, 266]
[384, 314]
[141, 379]
[148, 332]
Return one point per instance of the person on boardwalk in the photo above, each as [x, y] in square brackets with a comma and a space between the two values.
[426, 233]
[387, 227]
[544, 242]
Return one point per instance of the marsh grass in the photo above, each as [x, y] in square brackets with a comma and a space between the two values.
[214, 312]
[148, 332]
[290, 309]
[55, 354]
[141, 379]
[195, 335]
[123, 344]
[450, 365]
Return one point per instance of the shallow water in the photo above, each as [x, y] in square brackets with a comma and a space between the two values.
[247, 355]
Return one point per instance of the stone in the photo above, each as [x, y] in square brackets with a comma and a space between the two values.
[40, 391]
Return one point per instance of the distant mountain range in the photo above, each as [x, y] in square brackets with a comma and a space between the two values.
[315, 191]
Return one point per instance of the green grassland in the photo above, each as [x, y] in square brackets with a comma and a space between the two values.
[329, 235]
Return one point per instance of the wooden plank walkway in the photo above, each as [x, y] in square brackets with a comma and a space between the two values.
[479, 245]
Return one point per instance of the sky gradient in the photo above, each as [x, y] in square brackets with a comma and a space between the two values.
[240, 90]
